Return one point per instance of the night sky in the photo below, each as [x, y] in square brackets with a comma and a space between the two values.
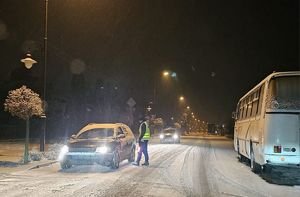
[219, 49]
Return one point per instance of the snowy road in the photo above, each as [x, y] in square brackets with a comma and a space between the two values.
[196, 167]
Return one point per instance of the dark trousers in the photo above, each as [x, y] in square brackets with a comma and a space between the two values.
[144, 150]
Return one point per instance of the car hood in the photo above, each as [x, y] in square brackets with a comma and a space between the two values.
[169, 133]
[89, 143]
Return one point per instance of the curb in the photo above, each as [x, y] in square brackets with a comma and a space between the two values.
[43, 165]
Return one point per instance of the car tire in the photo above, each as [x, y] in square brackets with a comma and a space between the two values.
[132, 155]
[115, 163]
[65, 164]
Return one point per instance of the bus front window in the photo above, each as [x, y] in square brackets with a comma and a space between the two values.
[284, 93]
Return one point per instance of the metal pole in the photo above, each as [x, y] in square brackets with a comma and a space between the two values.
[43, 136]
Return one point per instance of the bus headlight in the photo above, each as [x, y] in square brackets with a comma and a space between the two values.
[63, 151]
[175, 136]
[161, 136]
[102, 149]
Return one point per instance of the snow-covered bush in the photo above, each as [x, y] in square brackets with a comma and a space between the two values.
[36, 156]
[53, 151]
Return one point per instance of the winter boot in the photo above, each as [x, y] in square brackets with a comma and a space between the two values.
[136, 163]
[145, 164]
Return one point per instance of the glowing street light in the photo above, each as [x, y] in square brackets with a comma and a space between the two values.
[181, 98]
[188, 107]
[166, 73]
[28, 61]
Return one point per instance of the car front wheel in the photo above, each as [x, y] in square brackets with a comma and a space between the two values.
[65, 164]
[115, 163]
[132, 155]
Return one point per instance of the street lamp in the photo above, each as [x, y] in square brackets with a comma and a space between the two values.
[181, 98]
[28, 61]
[188, 107]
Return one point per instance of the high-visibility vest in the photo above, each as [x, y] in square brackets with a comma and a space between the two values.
[147, 134]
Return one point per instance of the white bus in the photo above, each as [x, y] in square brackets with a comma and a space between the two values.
[267, 120]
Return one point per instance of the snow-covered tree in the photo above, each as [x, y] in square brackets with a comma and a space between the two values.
[24, 103]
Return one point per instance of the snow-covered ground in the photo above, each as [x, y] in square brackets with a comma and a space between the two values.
[196, 167]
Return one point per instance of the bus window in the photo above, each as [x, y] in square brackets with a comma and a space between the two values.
[261, 92]
[245, 108]
[249, 106]
[284, 93]
[241, 112]
[237, 113]
[255, 104]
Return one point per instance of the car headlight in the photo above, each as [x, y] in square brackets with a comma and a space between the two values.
[175, 136]
[63, 151]
[161, 136]
[102, 149]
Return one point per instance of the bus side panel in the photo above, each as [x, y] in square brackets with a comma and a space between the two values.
[257, 139]
[242, 137]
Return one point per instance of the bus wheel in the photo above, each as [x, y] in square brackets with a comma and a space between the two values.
[255, 167]
[241, 157]
[267, 169]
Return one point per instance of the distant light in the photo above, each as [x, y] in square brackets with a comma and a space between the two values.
[174, 75]
[166, 73]
[188, 107]
[149, 108]
[181, 98]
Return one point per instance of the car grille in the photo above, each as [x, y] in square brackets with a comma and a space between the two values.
[82, 149]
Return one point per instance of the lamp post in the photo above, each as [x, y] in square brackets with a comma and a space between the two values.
[165, 75]
[28, 61]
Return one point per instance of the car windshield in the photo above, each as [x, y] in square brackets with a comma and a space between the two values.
[284, 93]
[97, 133]
[169, 131]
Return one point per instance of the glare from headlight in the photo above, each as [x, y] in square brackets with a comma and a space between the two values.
[63, 151]
[175, 136]
[102, 149]
[161, 136]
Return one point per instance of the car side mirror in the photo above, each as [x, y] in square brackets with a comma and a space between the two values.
[121, 136]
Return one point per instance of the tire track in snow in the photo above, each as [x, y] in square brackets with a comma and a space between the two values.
[138, 183]
[221, 176]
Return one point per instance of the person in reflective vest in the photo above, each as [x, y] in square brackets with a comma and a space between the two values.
[143, 139]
